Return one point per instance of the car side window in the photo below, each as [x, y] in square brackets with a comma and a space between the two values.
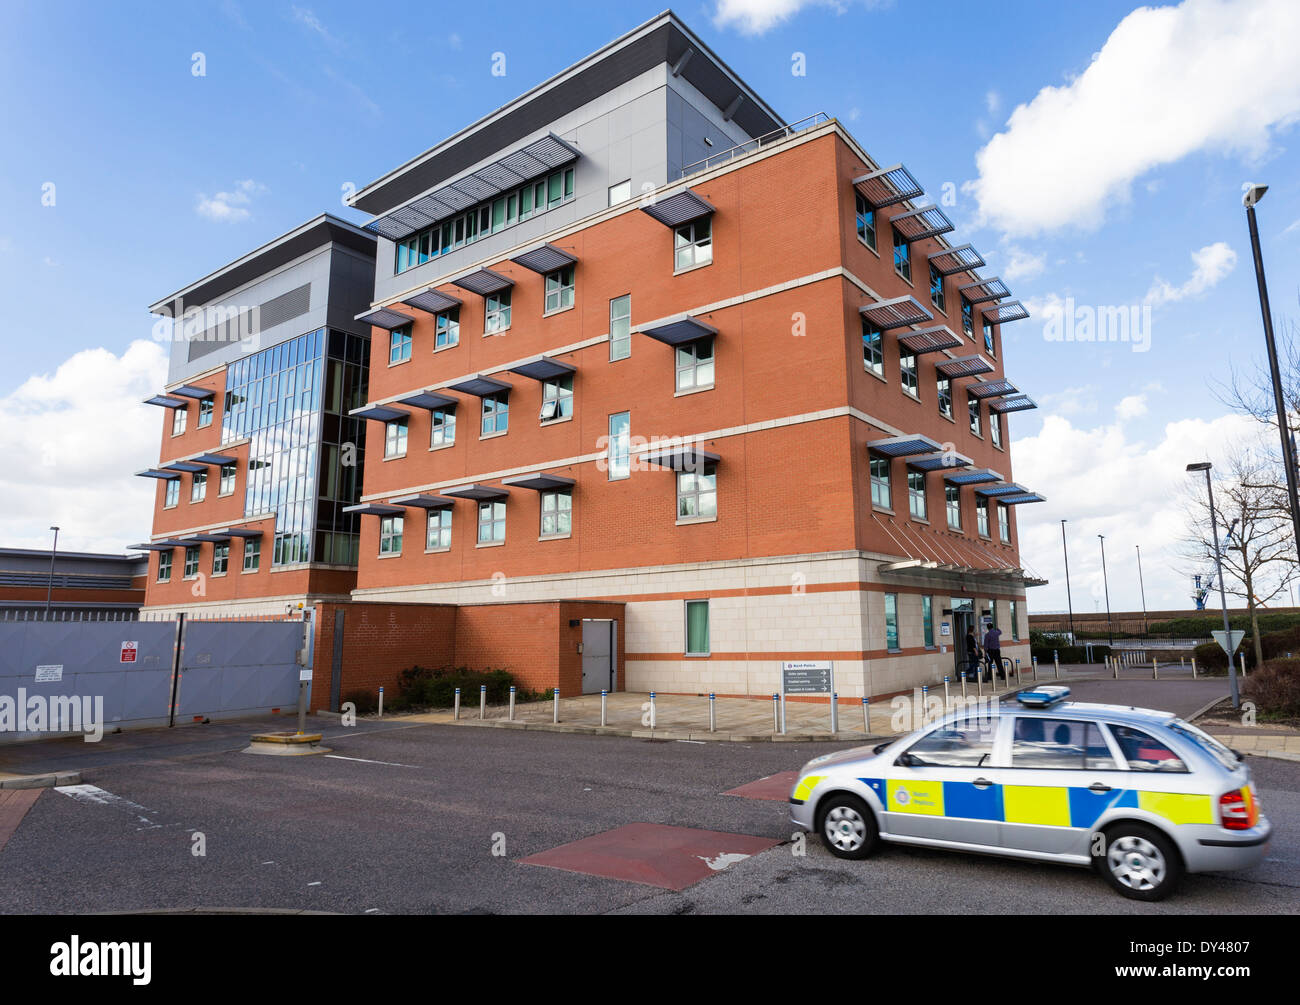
[1144, 752]
[965, 743]
[1058, 743]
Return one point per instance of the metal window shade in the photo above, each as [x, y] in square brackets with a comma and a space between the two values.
[166, 401]
[1013, 403]
[481, 386]
[215, 536]
[156, 473]
[247, 533]
[1016, 500]
[480, 493]
[216, 460]
[940, 462]
[386, 318]
[420, 501]
[152, 546]
[194, 391]
[991, 389]
[950, 261]
[680, 331]
[964, 366]
[545, 259]
[896, 313]
[484, 282]
[1004, 489]
[918, 224]
[374, 509]
[984, 290]
[977, 476]
[429, 400]
[684, 457]
[888, 186]
[678, 209]
[187, 466]
[544, 368]
[432, 301]
[924, 340]
[541, 482]
[1012, 310]
[904, 446]
[379, 413]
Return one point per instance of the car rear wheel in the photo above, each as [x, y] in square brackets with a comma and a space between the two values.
[848, 827]
[1139, 862]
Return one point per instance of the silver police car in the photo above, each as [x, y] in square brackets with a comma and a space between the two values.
[1139, 795]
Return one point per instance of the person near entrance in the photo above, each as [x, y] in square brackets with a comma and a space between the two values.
[993, 650]
[972, 652]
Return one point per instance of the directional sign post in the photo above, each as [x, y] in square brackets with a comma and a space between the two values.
[807, 677]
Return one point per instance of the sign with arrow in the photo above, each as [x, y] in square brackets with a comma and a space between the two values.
[1228, 641]
[807, 677]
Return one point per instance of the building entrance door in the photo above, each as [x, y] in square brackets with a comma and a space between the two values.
[963, 618]
[598, 648]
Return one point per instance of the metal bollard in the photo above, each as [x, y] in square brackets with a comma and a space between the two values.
[381, 703]
[1019, 679]
[925, 703]
[979, 682]
[776, 713]
[653, 717]
[555, 704]
[1182, 662]
[1155, 668]
[713, 712]
[482, 700]
[455, 715]
[511, 715]
[835, 713]
[1115, 669]
[604, 707]
[1193, 668]
[866, 715]
[963, 686]
[1034, 665]
[1056, 662]
[1243, 665]
[947, 701]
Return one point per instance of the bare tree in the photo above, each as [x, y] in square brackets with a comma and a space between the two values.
[1259, 557]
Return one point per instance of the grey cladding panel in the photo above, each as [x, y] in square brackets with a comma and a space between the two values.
[277, 310]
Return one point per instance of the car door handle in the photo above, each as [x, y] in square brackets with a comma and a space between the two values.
[981, 783]
[1098, 787]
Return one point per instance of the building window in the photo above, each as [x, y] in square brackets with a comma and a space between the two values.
[943, 388]
[621, 192]
[620, 328]
[697, 628]
[967, 317]
[497, 313]
[695, 365]
[952, 499]
[881, 494]
[172, 494]
[973, 407]
[395, 438]
[399, 345]
[927, 621]
[390, 535]
[995, 428]
[559, 289]
[164, 566]
[191, 561]
[206, 407]
[179, 417]
[1015, 622]
[693, 244]
[982, 516]
[438, 532]
[620, 444]
[557, 513]
[936, 290]
[446, 332]
[442, 427]
[198, 486]
[227, 479]
[866, 221]
[220, 558]
[891, 622]
[873, 349]
[496, 414]
[252, 553]
[916, 494]
[557, 398]
[697, 493]
[907, 374]
[491, 521]
[988, 339]
[1004, 524]
[902, 257]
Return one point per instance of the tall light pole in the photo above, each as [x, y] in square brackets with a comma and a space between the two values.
[1143, 589]
[1110, 632]
[49, 590]
[1253, 194]
[1069, 603]
[1218, 562]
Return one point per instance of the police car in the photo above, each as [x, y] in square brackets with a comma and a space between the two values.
[1139, 795]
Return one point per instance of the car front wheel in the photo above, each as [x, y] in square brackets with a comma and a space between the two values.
[848, 827]
[1139, 862]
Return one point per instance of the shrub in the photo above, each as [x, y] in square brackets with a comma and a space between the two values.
[434, 687]
[1276, 645]
[1202, 625]
[1069, 654]
[366, 702]
[1275, 688]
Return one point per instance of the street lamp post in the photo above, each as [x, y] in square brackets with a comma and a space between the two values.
[1142, 588]
[1253, 194]
[1110, 632]
[1218, 563]
[49, 590]
[1069, 603]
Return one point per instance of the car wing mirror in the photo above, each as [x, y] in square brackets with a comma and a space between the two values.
[905, 761]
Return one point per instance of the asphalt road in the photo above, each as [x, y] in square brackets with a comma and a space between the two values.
[416, 833]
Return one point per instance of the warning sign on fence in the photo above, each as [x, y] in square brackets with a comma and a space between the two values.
[129, 651]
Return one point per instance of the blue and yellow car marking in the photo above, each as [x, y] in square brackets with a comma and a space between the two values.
[965, 800]
[916, 796]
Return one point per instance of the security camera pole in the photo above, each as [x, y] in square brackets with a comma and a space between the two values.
[1253, 194]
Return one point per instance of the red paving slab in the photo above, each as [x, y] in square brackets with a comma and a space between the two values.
[774, 787]
[14, 804]
[672, 858]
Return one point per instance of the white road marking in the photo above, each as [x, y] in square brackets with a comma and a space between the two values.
[722, 861]
[93, 794]
[690, 741]
[317, 883]
[366, 760]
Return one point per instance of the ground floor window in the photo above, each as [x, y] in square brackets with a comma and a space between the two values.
[891, 622]
[697, 628]
[927, 620]
[252, 554]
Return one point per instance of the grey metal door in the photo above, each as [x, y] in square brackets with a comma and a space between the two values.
[597, 656]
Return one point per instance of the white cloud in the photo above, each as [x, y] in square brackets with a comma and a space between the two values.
[62, 463]
[992, 101]
[754, 17]
[1206, 75]
[1211, 264]
[1133, 406]
[1110, 480]
[230, 207]
[1022, 264]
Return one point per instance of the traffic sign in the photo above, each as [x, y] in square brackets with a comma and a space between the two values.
[1228, 641]
[807, 677]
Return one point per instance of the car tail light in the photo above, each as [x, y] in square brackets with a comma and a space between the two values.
[1238, 809]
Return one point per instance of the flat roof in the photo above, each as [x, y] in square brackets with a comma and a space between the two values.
[662, 39]
[313, 234]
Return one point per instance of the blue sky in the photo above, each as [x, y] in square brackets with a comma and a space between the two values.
[1120, 186]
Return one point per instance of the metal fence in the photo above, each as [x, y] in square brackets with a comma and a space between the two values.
[749, 146]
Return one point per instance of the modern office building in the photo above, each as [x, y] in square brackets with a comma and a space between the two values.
[638, 339]
[73, 584]
[259, 457]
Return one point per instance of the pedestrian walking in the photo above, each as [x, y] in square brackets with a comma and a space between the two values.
[972, 653]
[993, 651]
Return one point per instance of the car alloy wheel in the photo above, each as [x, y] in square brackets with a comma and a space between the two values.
[845, 829]
[1137, 863]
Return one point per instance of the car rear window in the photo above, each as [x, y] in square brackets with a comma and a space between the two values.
[1144, 752]
[1207, 743]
